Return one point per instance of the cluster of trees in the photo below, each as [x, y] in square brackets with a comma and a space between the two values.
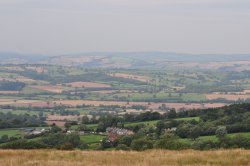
[6, 138]
[148, 139]
[9, 120]
[236, 118]
[93, 75]
[11, 86]
[114, 121]
[169, 133]
[64, 112]
[56, 138]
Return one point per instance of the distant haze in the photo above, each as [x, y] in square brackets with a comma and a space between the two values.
[71, 26]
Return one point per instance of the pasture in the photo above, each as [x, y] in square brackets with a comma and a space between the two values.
[146, 123]
[189, 118]
[123, 158]
[87, 85]
[92, 138]
[10, 132]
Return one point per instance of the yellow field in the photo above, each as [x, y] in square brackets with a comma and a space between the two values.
[120, 158]
[130, 76]
[233, 97]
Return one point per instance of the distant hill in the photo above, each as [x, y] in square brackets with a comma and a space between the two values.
[18, 58]
[125, 59]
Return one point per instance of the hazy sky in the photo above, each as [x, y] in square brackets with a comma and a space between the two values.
[71, 26]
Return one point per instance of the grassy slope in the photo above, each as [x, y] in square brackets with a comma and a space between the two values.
[121, 158]
[147, 123]
[10, 132]
[187, 119]
[91, 138]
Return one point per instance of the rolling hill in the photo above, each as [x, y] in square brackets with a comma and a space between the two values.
[134, 60]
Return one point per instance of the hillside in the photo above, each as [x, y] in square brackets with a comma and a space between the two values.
[134, 60]
[122, 158]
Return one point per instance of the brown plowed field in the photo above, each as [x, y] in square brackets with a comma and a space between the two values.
[233, 97]
[49, 88]
[130, 76]
[88, 85]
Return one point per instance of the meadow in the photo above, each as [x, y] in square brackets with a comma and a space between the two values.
[233, 157]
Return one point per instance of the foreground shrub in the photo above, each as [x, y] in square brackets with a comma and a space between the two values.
[204, 145]
[23, 144]
[122, 147]
[171, 142]
[141, 144]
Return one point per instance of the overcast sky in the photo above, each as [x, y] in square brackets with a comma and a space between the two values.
[72, 26]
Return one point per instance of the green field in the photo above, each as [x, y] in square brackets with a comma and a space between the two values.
[187, 119]
[10, 132]
[92, 126]
[18, 112]
[214, 138]
[29, 90]
[80, 110]
[146, 123]
[92, 138]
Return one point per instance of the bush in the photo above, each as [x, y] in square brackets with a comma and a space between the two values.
[59, 140]
[171, 142]
[122, 147]
[125, 140]
[83, 145]
[105, 143]
[240, 141]
[221, 132]
[204, 145]
[141, 144]
[67, 146]
[24, 144]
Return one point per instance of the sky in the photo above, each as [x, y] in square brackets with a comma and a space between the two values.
[74, 26]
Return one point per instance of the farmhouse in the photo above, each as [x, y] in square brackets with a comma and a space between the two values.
[114, 133]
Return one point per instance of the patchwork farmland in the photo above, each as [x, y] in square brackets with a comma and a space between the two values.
[39, 103]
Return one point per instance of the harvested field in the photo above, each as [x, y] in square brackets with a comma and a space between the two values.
[62, 118]
[179, 106]
[15, 68]
[36, 103]
[122, 158]
[151, 105]
[19, 79]
[49, 88]
[88, 85]
[130, 76]
[115, 91]
[105, 91]
[213, 105]
[244, 92]
[16, 102]
[134, 111]
[7, 79]
[27, 103]
[37, 69]
[9, 92]
[230, 96]
[25, 79]
[74, 103]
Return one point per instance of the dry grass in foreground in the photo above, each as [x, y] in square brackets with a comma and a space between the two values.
[112, 158]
